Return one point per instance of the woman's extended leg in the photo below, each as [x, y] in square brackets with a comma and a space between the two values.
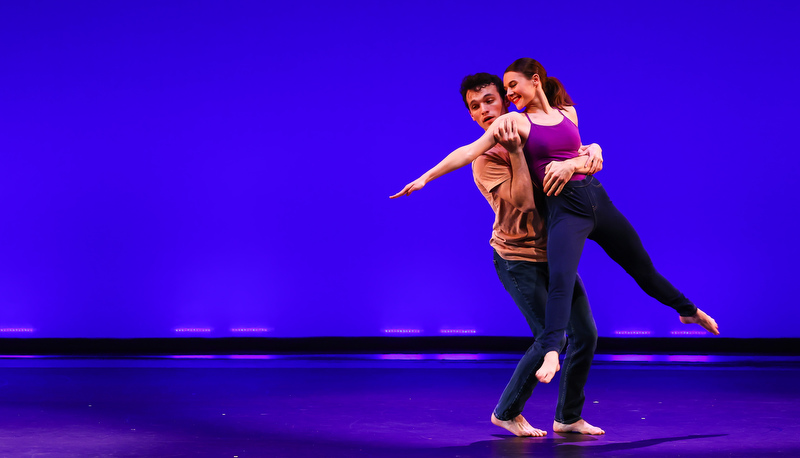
[616, 235]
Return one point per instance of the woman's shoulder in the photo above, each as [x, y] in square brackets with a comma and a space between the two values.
[511, 115]
[569, 111]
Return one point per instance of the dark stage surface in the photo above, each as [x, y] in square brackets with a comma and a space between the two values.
[388, 406]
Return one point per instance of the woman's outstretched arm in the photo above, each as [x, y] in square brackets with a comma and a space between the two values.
[455, 160]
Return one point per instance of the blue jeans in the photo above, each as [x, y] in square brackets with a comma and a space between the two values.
[584, 210]
[527, 284]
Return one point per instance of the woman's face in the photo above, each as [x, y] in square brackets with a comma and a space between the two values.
[521, 89]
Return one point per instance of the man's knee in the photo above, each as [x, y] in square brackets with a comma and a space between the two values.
[584, 340]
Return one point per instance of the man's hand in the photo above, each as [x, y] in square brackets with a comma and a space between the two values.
[415, 185]
[507, 135]
[557, 174]
[594, 160]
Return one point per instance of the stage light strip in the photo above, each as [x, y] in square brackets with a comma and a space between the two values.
[457, 331]
[689, 358]
[193, 330]
[16, 329]
[402, 331]
[401, 357]
[458, 357]
[688, 333]
[634, 358]
[252, 356]
[632, 333]
[192, 356]
[251, 329]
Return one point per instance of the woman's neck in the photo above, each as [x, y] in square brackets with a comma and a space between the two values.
[538, 104]
[537, 108]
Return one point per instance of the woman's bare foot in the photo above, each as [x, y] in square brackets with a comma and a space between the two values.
[549, 367]
[519, 426]
[580, 427]
[703, 320]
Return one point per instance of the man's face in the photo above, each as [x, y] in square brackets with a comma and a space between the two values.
[485, 105]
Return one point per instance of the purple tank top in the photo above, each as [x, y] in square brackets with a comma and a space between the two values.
[546, 144]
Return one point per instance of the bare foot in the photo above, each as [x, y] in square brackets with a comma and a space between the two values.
[549, 367]
[579, 427]
[703, 320]
[519, 426]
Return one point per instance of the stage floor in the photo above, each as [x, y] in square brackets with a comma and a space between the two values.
[388, 406]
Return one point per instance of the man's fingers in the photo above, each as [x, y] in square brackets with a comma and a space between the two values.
[553, 189]
[554, 186]
[547, 183]
[560, 188]
[500, 134]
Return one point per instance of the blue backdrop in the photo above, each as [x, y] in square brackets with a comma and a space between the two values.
[223, 168]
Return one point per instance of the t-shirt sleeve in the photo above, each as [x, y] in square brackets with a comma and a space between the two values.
[491, 171]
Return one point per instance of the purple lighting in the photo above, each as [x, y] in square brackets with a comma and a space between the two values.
[193, 330]
[251, 329]
[688, 333]
[457, 331]
[16, 329]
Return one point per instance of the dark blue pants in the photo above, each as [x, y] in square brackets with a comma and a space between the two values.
[583, 210]
[527, 283]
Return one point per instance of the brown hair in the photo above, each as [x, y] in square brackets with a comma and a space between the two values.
[556, 94]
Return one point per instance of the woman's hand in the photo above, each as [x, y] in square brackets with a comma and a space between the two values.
[594, 160]
[415, 185]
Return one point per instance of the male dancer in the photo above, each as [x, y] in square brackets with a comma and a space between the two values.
[519, 243]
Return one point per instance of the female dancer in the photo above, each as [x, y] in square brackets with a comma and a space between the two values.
[577, 210]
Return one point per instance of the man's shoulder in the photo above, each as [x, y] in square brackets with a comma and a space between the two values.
[492, 168]
[496, 153]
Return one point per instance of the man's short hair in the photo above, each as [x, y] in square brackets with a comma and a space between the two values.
[479, 81]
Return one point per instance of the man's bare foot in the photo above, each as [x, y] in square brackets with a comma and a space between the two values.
[549, 367]
[703, 320]
[519, 426]
[579, 427]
